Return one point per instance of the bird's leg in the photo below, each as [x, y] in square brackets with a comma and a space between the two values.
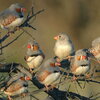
[74, 78]
[10, 32]
[88, 75]
[24, 94]
[53, 86]
[58, 60]
[69, 57]
[9, 98]
[47, 88]
[17, 28]
[31, 70]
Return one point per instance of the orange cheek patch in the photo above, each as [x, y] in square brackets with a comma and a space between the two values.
[22, 78]
[78, 57]
[35, 47]
[18, 10]
[52, 64]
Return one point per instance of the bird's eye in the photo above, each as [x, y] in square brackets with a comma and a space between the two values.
[59, 36]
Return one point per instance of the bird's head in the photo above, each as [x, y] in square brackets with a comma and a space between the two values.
[62, 36]
[33, 46]
[18, 8]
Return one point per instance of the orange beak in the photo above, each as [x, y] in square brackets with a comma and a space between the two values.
[56, 38]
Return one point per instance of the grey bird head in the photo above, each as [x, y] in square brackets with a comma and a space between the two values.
[96, 42]
[95, 50]
[33, 48]
[62, 37]
[81, 58]
[19, 9]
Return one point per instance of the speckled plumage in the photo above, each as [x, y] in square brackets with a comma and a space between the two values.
[15, 85]
[10, 17]
[49, 72]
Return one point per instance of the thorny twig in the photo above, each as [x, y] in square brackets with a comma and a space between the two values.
[55, 93]
[24, 24]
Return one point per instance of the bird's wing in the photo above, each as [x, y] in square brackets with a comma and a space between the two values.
[15, 86]
[42, 76]
[7, 17]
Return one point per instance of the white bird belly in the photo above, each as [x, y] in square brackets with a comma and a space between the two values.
[81, 70]
[51, 78]
[63, 51]
[34, 61]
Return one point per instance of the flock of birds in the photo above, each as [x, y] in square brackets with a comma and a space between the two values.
[48, 72]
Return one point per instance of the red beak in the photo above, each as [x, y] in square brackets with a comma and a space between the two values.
[84, 57]
[27, 78]
[28, 46]
[23, 9]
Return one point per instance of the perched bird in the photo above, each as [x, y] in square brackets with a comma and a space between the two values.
[95, 50]
[16, 85]
[80, 64]
[63, 46]
[35, 56]
[49, 73]
[12, 16]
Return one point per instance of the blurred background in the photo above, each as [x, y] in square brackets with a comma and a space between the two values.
[80, 19]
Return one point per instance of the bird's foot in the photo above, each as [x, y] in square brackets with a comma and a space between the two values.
[88, 76]
[9, 98]
[47, 88]
[24, 94]
[10, 32]
[74, 78]
[53, 86]
[31, 70]
[69, 57]
[17, 28]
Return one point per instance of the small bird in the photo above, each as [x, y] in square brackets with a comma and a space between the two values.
[35, 56]
[12, 16]
[95, 50]
[49, 73]
[80, 64]
[16, 85]
[63, 46]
